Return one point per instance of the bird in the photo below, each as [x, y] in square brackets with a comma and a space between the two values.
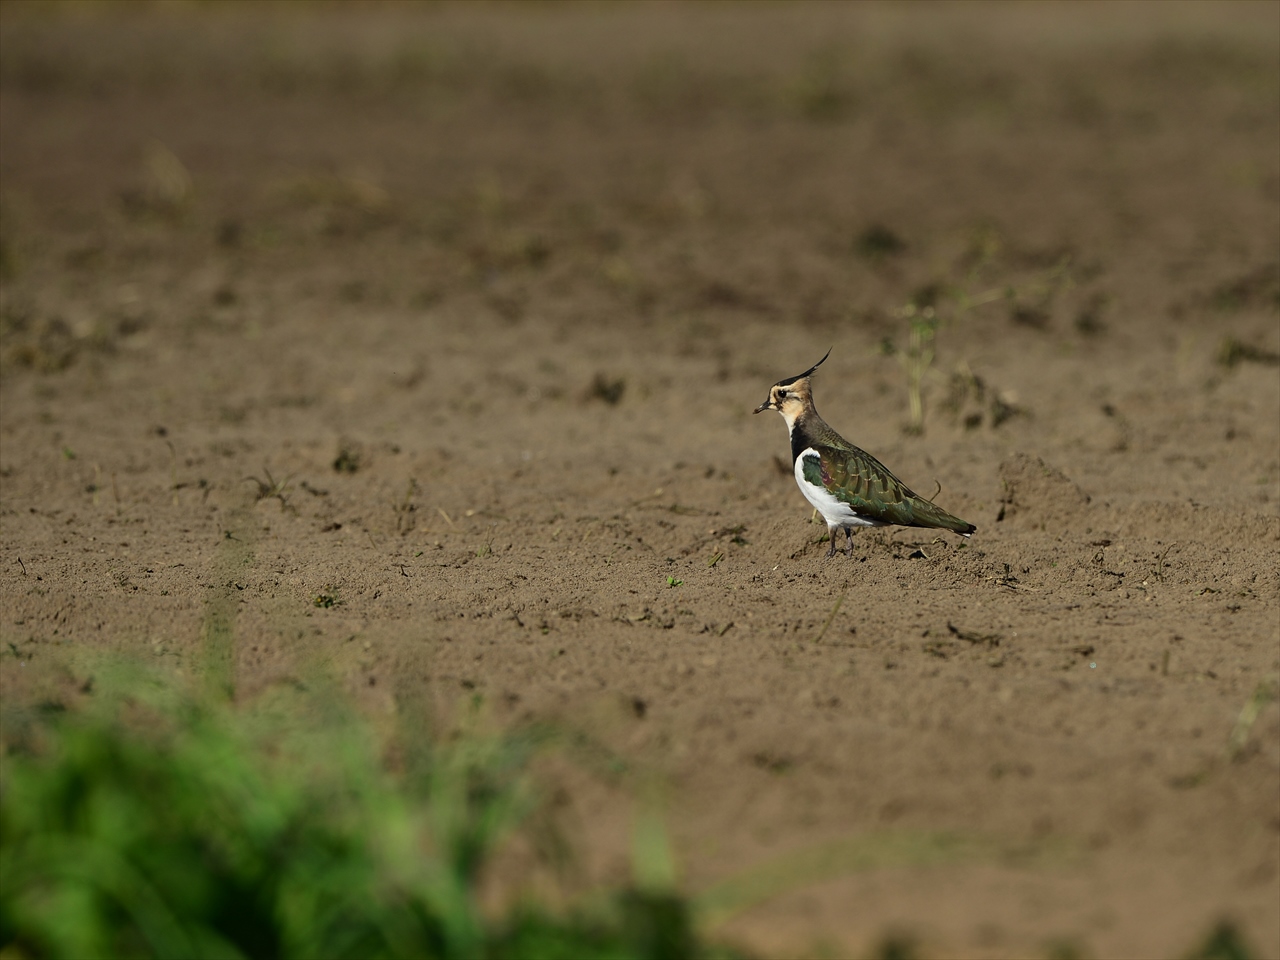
[847, 485]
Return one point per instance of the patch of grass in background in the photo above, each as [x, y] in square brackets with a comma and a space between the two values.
[152, 823]
[1223, 942]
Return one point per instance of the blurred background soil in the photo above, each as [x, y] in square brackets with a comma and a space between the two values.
[429, 335]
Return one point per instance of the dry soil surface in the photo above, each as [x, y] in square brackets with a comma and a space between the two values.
[429, 337]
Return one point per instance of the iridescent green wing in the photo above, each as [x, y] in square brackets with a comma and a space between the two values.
[855, 477]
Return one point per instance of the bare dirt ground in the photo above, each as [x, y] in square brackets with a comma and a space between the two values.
[430, 337]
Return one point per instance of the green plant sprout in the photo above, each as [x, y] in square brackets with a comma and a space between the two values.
[935, 302]
[917, 359]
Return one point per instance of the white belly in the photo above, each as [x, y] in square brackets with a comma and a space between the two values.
[837, 513]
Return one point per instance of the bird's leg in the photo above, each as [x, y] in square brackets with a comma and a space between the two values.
[832, 533]
[848, 541]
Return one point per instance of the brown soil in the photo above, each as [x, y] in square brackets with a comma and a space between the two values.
[486, 295]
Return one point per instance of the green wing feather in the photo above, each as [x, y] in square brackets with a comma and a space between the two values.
[857, 478]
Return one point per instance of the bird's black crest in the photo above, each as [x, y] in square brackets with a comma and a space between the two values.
[787, 383]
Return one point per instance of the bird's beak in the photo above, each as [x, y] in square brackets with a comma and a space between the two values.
[763, 407]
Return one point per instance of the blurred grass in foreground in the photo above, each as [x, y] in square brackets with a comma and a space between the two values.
[154, 824]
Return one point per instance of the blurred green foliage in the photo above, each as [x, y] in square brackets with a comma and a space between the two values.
[154, 825]
[1223, 942]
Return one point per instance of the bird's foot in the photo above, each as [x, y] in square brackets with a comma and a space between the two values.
[831, 535]
[848, 542]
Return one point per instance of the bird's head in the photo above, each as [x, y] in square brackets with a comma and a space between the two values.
[791, 397]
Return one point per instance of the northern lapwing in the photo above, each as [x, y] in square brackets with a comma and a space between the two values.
[847, 485]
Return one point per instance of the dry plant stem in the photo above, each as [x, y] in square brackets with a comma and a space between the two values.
[173, 471]
[831, 616]
[1263, 694]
